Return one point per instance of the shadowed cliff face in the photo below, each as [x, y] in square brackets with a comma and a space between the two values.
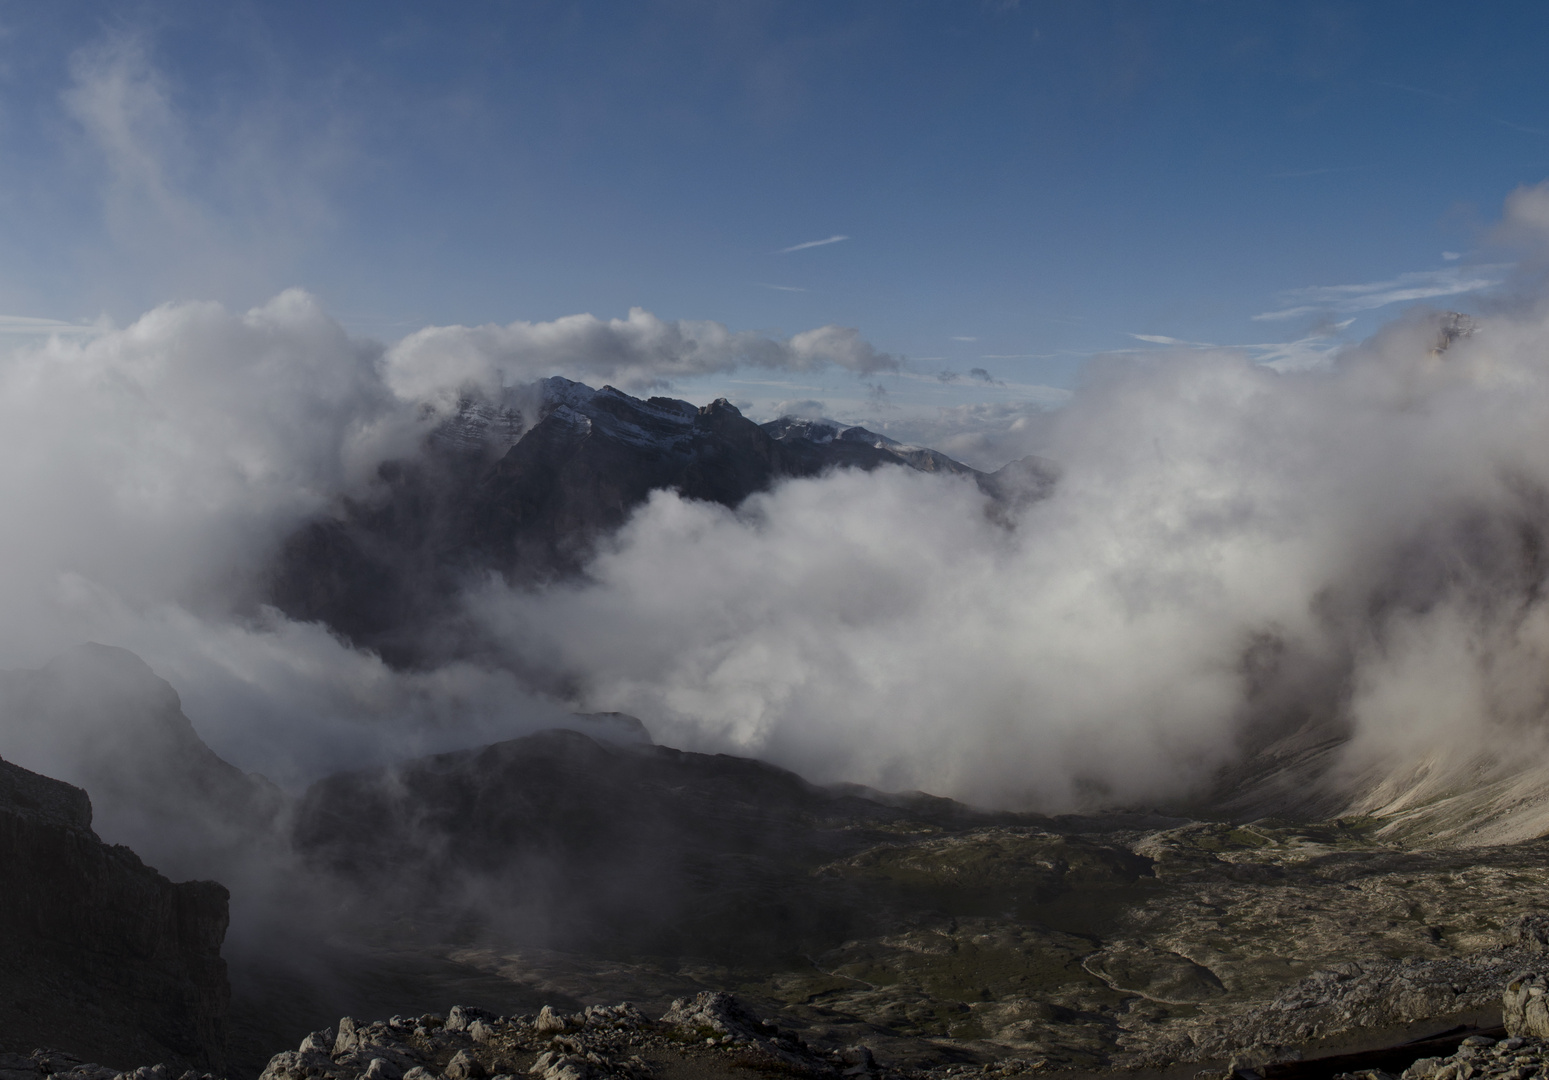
[100, 955]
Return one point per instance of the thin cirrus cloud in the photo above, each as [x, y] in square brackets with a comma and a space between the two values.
[1414, 90]
[1304, 354]
[1162, 339]
[1525, 129]
[811, 244]
[30, 326]
[782, 288]
[1510, 125]
[1420, 285]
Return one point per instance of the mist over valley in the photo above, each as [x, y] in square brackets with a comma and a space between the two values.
[682, 540]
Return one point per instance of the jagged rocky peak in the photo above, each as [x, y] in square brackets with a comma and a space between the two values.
[804, 427]
[480, 424]
[491, 422]
[657, 423]
[557, 410]
[826, 432]
[524, 481]
[1014, 485]
[1452, 325]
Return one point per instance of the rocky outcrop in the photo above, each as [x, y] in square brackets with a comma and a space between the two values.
[100, 954]
[42, 1064]
[1525, 1006]
[711, 1034]
[1374, 995]
[1480, 1056]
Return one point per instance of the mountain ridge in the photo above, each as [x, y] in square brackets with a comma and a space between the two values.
[525, 483]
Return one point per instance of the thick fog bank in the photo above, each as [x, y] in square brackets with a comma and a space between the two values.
[151, 473]
[1230, 553]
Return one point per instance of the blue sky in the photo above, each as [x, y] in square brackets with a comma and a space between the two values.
[1008, 187]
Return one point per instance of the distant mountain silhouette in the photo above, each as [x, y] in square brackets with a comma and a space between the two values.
[524, 487]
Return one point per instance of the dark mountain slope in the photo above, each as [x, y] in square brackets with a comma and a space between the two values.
[558, 840]
[525, 487]
[100, 955]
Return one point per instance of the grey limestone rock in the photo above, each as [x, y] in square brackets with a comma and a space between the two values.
[54, 1063]
[295, 1065]
[148, 1072]
[1515, 1058]
[624, 1016]
[1524, 1006]
[382, 1069]
[1531, 932]
[321, 1042]
[462, 1017]
[553, 1066]
[464, 1066]
[718, 1011]
[313, 1058]
[361, 1045]
[105, 1072]
[549, 1021]
[347, 1039]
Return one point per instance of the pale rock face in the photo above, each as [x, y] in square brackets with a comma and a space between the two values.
[348, 1038]
[715, 1010]
[296, 1064]
[321, 1042]
[464, 1066]
[1532, 932]
[382, 1069]
[1525, 1006]
[463, 1018]
[549, 1021]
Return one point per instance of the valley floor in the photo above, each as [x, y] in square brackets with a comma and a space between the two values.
[1092, 949]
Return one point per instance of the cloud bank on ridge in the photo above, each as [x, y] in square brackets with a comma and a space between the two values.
[640, 352]
[1231, 552]
[151, 472]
